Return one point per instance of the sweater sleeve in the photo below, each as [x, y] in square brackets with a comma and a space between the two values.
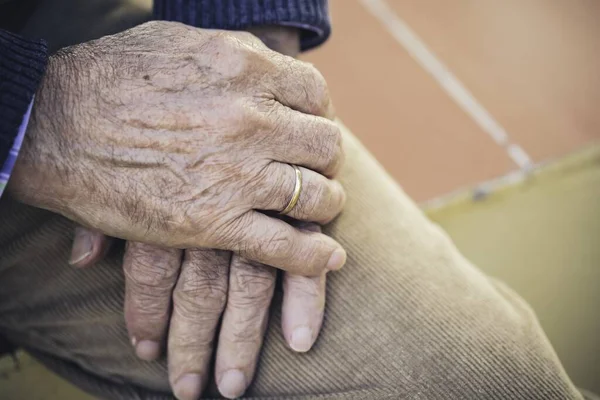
[22, 65]
[311, 16]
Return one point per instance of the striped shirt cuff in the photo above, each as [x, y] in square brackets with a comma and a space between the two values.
[9, 163]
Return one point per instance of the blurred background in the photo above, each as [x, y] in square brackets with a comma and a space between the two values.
[487, 112]
[533, 65]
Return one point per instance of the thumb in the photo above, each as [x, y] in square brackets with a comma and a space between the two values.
[88, 248]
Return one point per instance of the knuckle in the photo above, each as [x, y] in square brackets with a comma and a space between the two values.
[160, 31]
[258, 120]
[200, 288]
[275, 67]
[278, 244]
[194, 304]
[265, 107]
[319, 88]
[249, 331]
[247, 36]
[146, 313]
[204, 292]
[335, 137]
[157, 24]
[271, 186]
[197, 344]
[332, 148]
[224, 40]
[230, 234]
[324, 145]
[150, 268]
[251, 300]
[312, 205]
[219, 37]
[212, 263]
[252, 286]
[320, 84]
[147, 309]
[270, 245]
[152, 25]
[219, 43]
[147, 279]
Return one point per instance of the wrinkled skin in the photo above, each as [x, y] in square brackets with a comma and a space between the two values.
[209, 284]
[176, 136]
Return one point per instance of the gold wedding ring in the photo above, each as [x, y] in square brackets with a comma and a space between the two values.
[297, 190]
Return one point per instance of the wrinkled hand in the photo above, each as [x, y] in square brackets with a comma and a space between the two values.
[176, 136]
[187, 293]
[210, 282]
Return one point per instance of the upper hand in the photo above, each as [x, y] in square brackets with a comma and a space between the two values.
[209, 285]
[176, 136]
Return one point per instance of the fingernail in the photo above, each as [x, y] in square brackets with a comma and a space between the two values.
[301, 339]
[82, 246]
[188, 387]
[133, 341]
[147, 350]
[337, 260]
[233, 384]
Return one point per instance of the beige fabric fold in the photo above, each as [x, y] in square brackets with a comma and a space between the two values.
[408, 317]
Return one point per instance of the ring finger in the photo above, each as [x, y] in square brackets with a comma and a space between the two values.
[307, 140]
[320, 199]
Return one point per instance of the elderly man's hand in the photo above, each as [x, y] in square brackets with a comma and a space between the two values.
[187, 293]
[178, 136]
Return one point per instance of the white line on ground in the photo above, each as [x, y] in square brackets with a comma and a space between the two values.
[446, 79]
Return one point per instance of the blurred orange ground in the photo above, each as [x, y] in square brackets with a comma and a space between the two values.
[534, 66]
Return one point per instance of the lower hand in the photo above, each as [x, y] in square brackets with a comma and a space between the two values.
[186, 293]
